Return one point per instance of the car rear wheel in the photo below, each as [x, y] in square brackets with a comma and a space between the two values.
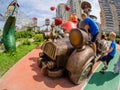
[80, 77]
[85, 73]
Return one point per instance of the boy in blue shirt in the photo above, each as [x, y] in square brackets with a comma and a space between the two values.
[92, 27]
[109, 53]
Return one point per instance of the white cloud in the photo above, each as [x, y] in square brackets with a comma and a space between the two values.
[39, 8]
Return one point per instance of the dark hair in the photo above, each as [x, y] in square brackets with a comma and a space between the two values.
[103, 37]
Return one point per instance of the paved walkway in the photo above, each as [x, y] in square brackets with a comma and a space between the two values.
[25, 75]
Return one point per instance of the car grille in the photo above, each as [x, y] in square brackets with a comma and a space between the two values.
[50, 50]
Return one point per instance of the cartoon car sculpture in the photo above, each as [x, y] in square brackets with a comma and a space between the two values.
[72, 55]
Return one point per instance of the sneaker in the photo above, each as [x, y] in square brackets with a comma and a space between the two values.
[104, 68]
[102, 71]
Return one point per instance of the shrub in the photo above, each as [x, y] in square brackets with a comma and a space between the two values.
[26, 42]
[24, 34]
[118, 40]
[38, 38]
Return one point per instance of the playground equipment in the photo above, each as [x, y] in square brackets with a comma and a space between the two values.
[71, 54]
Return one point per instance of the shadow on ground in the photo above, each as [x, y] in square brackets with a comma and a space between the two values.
[50, 82]
[99, 78]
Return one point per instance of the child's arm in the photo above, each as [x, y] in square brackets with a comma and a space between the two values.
[109, 50]
[86, 27]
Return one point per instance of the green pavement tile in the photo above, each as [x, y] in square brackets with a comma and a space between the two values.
[106, 81]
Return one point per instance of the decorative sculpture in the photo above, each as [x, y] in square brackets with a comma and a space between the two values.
[71, 54]
[9, 27]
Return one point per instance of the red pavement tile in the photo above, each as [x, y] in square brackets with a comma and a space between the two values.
[25, 75]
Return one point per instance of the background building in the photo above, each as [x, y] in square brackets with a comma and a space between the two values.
[110, 15]
[61, 12]
[75, 8]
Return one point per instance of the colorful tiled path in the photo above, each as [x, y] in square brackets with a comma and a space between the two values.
[25, 75]
[107, 81]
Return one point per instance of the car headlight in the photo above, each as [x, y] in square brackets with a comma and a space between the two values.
[78, 38]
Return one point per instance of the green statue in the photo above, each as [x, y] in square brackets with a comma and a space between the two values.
[9, 28]
[9, 34]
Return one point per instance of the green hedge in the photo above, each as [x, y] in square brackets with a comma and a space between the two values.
[118, 40]
[26, 42]
[24, 34]
[38, 38]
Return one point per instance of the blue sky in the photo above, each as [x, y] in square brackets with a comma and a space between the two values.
[41, 8]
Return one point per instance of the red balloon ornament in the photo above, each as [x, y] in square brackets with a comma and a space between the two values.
[68, 26]
[67, 8]
[52, 8]
[58, 21]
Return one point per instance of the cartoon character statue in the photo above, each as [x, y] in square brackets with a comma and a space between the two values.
[9, 27]
[72, 23]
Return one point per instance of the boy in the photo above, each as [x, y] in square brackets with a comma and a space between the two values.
[109, 53]
[92, 27]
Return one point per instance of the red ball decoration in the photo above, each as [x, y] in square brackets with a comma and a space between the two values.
[15, 3]
[52, 8]
[68, 26]
[67, 8]
[58, 21]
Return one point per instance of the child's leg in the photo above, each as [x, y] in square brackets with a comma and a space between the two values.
[105, 64]
[104, 68]
[106, 59]
[94, 47]
[93, 40]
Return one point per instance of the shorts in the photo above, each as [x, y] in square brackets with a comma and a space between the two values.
[1, 42]
[93, 39]
[107, 58]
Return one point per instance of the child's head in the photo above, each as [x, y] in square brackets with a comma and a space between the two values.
[83, 16]
[112, 36]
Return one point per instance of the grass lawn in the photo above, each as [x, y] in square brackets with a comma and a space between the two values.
[7, 60]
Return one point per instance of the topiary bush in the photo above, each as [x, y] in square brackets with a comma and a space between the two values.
[38, 38]
[26, 42]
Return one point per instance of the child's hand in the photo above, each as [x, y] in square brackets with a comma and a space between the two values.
[105, 52]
